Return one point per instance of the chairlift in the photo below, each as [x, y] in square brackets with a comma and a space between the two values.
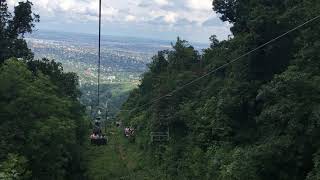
[160, 136]
[130, 133]
[97, 137]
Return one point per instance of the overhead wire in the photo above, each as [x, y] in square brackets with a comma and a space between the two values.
[225, 65]
[99, 53]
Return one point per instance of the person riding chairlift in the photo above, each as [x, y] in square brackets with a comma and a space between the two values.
[131, 131]
[94, 136]
[126, 131]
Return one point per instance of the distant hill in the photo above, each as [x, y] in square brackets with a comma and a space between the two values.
[123, 59]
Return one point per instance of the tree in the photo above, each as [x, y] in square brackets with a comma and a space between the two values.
[39, 122]
[14, 167]
[184, 56]
[67, 82]
[258, 117]
[13, 28]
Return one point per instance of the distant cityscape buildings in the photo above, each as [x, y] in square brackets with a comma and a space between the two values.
[120, 64]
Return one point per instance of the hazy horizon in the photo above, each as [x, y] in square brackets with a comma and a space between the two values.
[191, 20]
[148, 39]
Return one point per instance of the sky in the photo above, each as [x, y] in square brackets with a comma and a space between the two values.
[192, 20]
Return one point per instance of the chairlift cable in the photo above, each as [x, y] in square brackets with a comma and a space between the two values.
[226, 64]
[97, 138]
[99, 53]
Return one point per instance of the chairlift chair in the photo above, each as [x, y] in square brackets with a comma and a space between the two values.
[97, 138]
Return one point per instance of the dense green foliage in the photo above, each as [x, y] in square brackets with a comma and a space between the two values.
[114, 95]
[42, 123]
[258, 118]
[13, 28]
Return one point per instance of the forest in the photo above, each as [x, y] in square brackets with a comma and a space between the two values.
[42, 124]
[254, 118]
[244, 108]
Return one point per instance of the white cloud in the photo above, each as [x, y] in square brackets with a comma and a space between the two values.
[124, 10]
[200, 4]
[162, 2]
[170, 17]
[130, 18]
[158, 14]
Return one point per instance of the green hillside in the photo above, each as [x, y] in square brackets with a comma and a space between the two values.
[245, 108]
[233, 114]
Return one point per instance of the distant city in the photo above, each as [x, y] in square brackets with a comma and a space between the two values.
[123, 59]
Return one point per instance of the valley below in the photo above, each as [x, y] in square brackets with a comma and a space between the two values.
[123, 61]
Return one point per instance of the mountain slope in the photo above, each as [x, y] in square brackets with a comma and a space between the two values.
[257, 118]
